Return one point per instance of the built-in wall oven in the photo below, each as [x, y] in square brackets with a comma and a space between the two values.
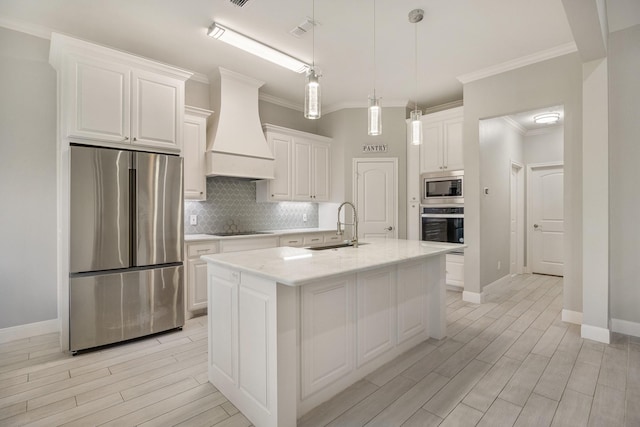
[442, 224]
[442, 187]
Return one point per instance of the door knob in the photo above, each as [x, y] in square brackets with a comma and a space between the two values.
[389, 228]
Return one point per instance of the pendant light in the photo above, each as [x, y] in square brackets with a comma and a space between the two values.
[374, 112]
[312, 98]
[416, 16]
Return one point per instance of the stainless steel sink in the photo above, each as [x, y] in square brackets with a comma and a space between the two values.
[334, 246]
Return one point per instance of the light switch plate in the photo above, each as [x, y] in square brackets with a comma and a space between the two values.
[193, 219]
[304, 217]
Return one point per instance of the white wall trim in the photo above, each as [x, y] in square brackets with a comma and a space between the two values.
[495, 286]
[25, 27]
[200, 78]
[596, 333]
[29, 330]
[474, 297]
[625, 327]
[455, 288]
[572, 316]
[523, 61]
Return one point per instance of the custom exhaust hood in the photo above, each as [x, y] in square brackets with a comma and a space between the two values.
[236, 144]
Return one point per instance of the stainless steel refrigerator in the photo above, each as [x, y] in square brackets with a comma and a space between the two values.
[126, 245]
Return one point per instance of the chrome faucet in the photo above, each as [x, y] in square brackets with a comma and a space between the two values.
[354, 240]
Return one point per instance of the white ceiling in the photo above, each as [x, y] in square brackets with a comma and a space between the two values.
[456, 37]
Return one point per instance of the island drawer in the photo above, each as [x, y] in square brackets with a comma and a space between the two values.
[294, 241]
[199, 249]
[313, 239]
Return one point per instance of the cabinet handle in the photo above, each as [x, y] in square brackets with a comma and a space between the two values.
[272, 195]
[203, 250]
[135, 139]
[201, 192]
[126, 138]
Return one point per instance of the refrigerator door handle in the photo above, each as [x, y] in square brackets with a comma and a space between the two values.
[133, 228]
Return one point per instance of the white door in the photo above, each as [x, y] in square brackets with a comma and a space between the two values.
[375, 183]
[517, 218]
[546, 218]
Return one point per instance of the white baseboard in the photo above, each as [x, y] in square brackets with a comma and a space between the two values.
[596, 333]
[29, 330]
[572, 316]
[495, 286]
[625, 327]
[474, 297]
[455, 288]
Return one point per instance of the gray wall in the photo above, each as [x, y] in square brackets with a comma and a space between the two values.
[500, 143]
[28, 288]
[552, 82]
[624, 173]
[348, 128]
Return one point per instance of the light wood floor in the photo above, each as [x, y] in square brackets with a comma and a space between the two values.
[507, 362]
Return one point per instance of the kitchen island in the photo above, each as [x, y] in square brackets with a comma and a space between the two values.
[291, 327]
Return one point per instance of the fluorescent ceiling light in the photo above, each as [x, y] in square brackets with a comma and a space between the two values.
[250, 45]
[546, 118]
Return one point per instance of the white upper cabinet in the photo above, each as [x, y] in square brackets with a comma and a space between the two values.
[442, 147]
[302, 167]
[112, 98]
[193, 151]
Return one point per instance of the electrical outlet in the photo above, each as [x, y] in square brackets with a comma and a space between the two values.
[193, 219]
[304, 217]
[499, 265]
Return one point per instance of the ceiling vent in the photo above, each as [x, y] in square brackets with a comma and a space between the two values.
[239, 3]
[302, 28]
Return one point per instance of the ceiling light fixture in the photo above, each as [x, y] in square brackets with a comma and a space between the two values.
[256, 48]
[312, 98]
[546, 118]
[416, 16]
[375, 110]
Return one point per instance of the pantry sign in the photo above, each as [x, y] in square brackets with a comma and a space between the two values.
[375, 148]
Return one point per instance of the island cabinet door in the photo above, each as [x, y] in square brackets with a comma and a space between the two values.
[412, 300]
[376, 313]
[328, 318]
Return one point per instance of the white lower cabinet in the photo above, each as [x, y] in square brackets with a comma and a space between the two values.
[411, 300]
[376, 292]
[328, 319]
[196, 277]
[455, 270]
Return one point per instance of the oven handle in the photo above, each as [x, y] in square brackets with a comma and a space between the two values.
[442, 215]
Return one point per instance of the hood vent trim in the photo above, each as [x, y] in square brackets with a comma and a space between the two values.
[237, 146]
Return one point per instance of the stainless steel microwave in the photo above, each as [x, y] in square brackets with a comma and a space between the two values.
[442, 187]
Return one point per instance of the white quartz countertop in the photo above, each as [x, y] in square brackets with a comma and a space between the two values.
[299, 266]
[266, 233]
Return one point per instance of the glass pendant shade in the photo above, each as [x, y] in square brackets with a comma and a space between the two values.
[312, 96]
[375, 116]
[416, 127]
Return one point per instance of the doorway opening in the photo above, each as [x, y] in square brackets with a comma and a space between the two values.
[521, 183]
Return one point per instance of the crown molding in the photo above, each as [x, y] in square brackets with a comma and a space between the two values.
[26, 27]
[392, 103]
[523, 61]
[442, 107]
[515, 125]
[279, 101]
[200, 78]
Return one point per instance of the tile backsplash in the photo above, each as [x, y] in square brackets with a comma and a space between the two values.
[231, 206]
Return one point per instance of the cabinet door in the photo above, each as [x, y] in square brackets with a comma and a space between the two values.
[455, 270]
[193, 148]
[431, 148]
[327, 332]
[157, 105]
[321, 176]
[376, 309]
[453, 159]
[280, 187]
[412, 300]
[98, 104]
[197, 284]
[302, 170]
